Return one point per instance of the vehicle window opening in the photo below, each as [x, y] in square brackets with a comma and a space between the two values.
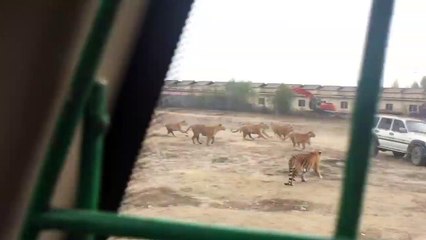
[385, 124]
[397, 125]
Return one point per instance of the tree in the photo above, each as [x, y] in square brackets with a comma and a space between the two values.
[395, 84]
[239, 91]
[283, 99]
[423, 82]
[415, 85]
[238, 94]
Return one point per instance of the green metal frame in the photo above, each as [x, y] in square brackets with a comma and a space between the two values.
[87, 99]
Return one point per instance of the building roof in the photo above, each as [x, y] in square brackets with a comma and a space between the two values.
[219, 83]
[392, 90]
[293, 85]
[413, 90]
[170, 82]
[203, 83]
[311, 87]
[185, 83]
[348, 89]
[330, 88]
[257, 85]
[268, 90]
[272, 85]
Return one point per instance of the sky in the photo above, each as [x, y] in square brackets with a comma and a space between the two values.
[295, 41]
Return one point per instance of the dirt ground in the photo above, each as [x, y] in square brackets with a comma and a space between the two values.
[241, 183]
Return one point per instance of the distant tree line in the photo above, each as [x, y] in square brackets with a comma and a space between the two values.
[422, 83]
[415, 84]
[236, 96]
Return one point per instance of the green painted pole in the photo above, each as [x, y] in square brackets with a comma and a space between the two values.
[110, 224]
[95, 124]
[366, 101]
[72, 112]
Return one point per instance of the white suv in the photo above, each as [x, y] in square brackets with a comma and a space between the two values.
[402, 136]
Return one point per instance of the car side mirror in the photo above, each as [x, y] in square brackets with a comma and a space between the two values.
[402, 130]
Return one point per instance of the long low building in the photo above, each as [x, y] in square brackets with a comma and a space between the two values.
[393, 100]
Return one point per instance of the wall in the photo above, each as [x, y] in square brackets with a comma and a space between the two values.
[296, 107]
[400, 98]
[398, 106]
[337, 104]
[268, 101]
[407, 106]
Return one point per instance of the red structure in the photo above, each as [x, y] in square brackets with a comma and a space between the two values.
[315, 103]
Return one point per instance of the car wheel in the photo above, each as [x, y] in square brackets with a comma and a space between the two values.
[417, 156]
[398, 155]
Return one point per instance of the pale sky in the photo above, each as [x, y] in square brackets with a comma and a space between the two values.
[298, 41]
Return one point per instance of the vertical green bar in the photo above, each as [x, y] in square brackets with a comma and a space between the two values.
[95, 124]
[71, 113]
[365, 108]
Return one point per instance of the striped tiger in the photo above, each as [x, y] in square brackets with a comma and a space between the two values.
[302, 163]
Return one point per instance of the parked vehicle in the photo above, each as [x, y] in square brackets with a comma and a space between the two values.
[315, 103]
[403, 136]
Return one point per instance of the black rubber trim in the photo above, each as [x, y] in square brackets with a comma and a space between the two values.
[416, 143]
[138, 96]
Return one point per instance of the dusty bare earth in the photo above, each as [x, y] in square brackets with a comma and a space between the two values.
[240, 183]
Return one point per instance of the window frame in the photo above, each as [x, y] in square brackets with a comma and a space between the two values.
[415, 107]
[376, 121]
[393, 124]
[391, 106]
[385, 118]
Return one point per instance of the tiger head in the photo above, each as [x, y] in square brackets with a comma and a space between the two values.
[317, 152]
[220, 127]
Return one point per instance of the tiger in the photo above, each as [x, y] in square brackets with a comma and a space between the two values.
[281, 130]
[171, 127]
[249, 129]
[301, 138]
[208, 131]
[302, 163]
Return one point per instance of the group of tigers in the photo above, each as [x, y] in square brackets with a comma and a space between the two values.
[298, 164]
[282, 131]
